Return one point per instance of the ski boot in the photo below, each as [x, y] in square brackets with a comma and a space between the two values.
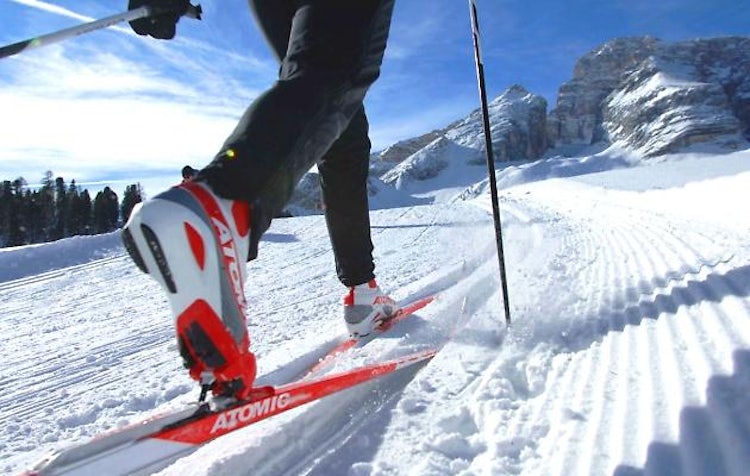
[195, 245]
[366, 307]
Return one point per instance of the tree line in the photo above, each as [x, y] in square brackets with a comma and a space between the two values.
[58, 210]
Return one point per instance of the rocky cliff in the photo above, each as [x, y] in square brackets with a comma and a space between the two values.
[656, 97]
[518, 123]
[577, 116]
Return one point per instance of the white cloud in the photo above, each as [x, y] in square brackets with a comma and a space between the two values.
[51, 8]
[95, 135]
[55, 74]
[104, 114]
[106, 106]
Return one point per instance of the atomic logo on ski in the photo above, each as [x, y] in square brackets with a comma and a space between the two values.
[231, 419]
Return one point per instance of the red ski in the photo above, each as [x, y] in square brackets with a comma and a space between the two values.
[153, 444]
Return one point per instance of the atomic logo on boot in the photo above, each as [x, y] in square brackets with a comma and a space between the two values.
[229, 253]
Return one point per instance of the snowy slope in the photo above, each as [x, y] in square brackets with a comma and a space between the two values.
[629, 354]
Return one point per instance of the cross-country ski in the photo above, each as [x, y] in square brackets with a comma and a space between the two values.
[153, 444]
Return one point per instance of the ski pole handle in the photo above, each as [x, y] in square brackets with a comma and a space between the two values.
[193, 11]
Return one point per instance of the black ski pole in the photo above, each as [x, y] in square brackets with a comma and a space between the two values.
[490, 158]
[193, 11]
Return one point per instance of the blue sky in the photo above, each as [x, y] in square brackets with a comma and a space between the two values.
[111, 106]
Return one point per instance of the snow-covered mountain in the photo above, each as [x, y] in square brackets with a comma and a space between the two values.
[440, 157]
[644, 95]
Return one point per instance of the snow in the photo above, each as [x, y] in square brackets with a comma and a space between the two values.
[629, 354]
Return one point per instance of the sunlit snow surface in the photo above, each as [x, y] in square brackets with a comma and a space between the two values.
[629, 353]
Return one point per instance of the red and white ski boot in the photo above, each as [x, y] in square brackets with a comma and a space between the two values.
[366, 307]
[195, 245]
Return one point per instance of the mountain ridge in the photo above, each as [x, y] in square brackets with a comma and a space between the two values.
[638, 94]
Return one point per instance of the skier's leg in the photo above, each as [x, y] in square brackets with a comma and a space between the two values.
[274, 17]
[195, 244]
[343, 179]
[193, 238]
[334, 54]
[343, 183]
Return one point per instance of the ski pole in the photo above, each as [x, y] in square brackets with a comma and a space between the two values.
[193, 11]
[490, 157]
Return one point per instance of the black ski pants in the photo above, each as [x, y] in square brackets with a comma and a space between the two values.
[330, 53]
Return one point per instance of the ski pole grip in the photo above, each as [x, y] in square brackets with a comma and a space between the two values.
[191, 11]
[194, 11]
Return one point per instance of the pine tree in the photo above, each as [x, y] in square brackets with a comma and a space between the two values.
[106, 211]
[132, 196]
[31, 217]
[59, 230]
[6, 197]
[16, 229]
[46, 202]
[85, 212]
[72, 219]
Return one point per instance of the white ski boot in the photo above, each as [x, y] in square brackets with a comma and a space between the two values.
[195, 245]
[366, 307]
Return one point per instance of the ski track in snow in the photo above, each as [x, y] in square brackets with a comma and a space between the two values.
[629, 353]
[659, 326]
